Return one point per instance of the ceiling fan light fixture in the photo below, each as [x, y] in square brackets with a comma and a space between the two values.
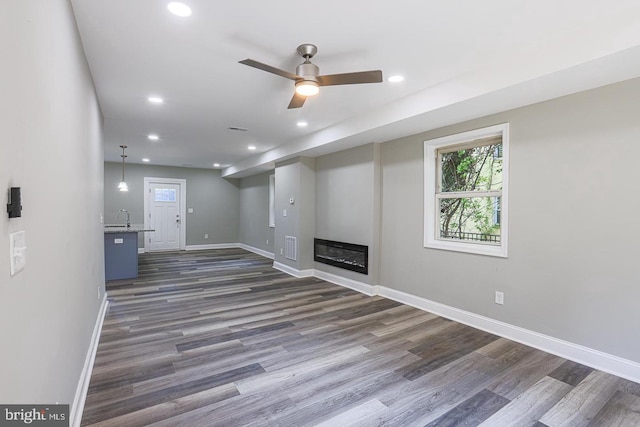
[308, 79]
[307, 88]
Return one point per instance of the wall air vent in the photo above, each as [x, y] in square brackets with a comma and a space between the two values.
[290, 247]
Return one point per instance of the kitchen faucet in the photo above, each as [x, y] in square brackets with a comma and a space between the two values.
[128, 216]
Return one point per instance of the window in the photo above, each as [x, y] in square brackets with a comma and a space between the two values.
[165, 195]
[466, 182]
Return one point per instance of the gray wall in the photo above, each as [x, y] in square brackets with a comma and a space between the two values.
[347, 204]
[254, 227]
[572, 270]
[51, 147]
[306, 209]
[215, 200]
[295, 179]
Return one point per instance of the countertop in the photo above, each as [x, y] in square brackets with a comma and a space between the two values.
[120, 228]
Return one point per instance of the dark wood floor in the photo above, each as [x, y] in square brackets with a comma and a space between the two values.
[219, 338]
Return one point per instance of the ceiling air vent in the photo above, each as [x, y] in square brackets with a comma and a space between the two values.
[237, 129]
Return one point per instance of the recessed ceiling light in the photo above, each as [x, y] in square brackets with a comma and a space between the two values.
[251, 147]
[395, 79]
[146, 160]
[216, 165]
[153, 137]
[179, 9]
[302, 124]
[155, 100]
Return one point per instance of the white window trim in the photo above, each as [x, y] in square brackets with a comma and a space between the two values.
[431, 219]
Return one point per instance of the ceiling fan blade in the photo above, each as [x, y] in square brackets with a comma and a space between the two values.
[373, 76]
[269, 69]
[297, 101]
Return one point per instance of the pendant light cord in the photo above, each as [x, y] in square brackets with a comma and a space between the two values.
[123, 157]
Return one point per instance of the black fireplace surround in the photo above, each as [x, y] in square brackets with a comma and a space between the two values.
[343, 255]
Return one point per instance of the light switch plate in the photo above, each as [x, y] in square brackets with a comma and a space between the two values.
[17, 251]
[190, 210]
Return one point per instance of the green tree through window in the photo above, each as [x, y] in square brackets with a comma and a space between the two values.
[470, 182]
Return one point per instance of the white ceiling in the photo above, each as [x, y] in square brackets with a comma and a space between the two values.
[460, 58]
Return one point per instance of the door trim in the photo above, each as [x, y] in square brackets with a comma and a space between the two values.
[183, 206]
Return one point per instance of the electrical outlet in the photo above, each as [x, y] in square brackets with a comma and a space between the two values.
[499, 297]
[281, 251]
[206, 236]
[267, 241]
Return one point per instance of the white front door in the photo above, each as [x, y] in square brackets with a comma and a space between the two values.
[164, 216]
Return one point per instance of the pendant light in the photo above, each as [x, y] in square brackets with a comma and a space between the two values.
[123, 185]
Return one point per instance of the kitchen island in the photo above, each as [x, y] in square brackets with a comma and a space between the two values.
[121, 251]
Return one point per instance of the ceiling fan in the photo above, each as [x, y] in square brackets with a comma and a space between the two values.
[307, 78]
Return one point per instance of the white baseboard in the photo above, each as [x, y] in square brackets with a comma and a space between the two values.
[361, 287]
[587, 356]
[256, 250]
[211, 246]
[364, 288]
[292, 271]
[75, 417]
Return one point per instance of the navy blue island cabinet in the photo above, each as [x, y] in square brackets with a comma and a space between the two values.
[121, 252]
